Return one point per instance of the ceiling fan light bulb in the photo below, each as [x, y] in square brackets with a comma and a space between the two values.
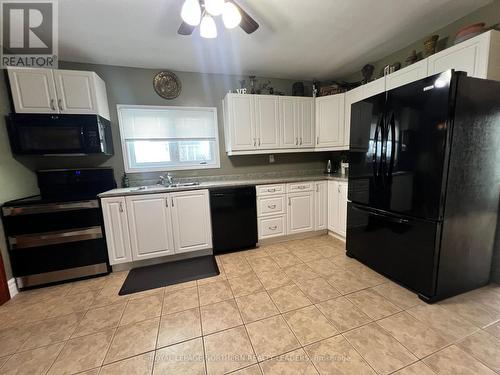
[208, 29]
[214, 7]
[231, 16]
[191, 12]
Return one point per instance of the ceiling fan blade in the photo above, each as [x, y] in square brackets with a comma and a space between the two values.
[247, 22]
[185, 29]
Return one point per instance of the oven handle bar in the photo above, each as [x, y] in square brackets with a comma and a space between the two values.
[49, 208]
[53, 238]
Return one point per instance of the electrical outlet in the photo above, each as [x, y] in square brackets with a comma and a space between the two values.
[271, 159]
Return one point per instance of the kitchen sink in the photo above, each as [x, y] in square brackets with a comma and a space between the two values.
[160, 187]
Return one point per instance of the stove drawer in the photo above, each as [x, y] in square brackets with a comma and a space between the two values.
[54, 238]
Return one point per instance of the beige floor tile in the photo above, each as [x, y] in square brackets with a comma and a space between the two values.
[296, 362]
[108, 296]
[346, 281]
[300, 272]
[371, 277]
[382, 351]
[141, 309]
[246, 284]
[133, 339]
[372, 304]
[271, 337]
[214, 292]
[91, 372]
[96, 283]
[488, 296]
[398, 295]
[327, 251]
[309, 325]
[494, 329]
[336, 356]
[263, 264]
[418, 368]
[250, 370]
[317, 290]
[147, 293]
[180, 300]
[12, 339]
[138, 365]
[221, 277]
[286, 259]
[185, 358]
[448, 324]
[32, 362]
[219, 316]
[414, 335]
[272, 280]
[72, 303]
[83, 353]
[306, 254]
[259, 252]
[485, 347]
[256, 306]
[472, 310]
[180, 326]
[237, 268]
[288, 298]
[180, 286]
[99, 319]
[52, 330]
[454, 360]
[276, 248]
[343, 314]
[228, 351]
[3, 360]
[323, 267]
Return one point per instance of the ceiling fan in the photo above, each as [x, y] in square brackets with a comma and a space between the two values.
[201, 12]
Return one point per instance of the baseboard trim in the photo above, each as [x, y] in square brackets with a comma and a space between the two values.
[291, 237]
[337, 236]
[12, 287]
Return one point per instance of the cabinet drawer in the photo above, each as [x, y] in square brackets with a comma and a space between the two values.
[298, 187]
[270, 189]
[272, 205]
[272, 226]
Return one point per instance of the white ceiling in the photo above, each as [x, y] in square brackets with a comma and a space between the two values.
[300, 39]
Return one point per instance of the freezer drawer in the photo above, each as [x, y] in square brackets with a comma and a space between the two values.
[400, 248]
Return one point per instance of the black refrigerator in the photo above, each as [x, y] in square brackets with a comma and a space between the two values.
[424, 175]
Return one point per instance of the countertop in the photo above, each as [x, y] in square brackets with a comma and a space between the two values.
[155, 189]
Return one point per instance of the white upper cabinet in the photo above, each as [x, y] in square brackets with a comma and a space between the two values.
[33, 90]
[305, 118]
[267, 121]
[288, 123]
[117, 232]
[406, 75]
[330, 121]
[58, 91]
[477, 56]
[191, 220]
[240, 124]
[150, 226]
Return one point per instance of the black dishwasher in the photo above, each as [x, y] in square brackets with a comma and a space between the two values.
[234, 218]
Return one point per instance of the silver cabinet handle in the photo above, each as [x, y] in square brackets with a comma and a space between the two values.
[271, 206]
[52, 104]
[317, 140]
[301, 141]
[338, 189]
[172, 201]
[121, 207]
[254, 142]
[273, 227]
[59, 103]
[166, 202]
[289, 201]
[317, 188]
[296, 141]
[271, 190]
[259, 142]
[301, 187]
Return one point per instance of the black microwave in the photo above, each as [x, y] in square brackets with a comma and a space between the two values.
[48, 134]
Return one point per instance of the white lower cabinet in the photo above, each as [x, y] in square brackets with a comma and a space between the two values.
[155, 225]
[116, 228]
[321, 205]
[272, 226]
[300, 212]
[337, 207]
[191, 220]
[150, 226]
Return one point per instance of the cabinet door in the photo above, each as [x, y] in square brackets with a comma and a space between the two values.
[33, 90]
[267, 121]
[150, 226]
[191, 220]
[330, 121]
[321, 205]
[76, 91]
[305, 122]
[406, 75]
[300, 212]
[241, 122]
[333, 205]
[288, 122]
[116, 227]
[470, 56]
[342, 218]
[351, 97]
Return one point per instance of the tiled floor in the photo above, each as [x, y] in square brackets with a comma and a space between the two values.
[300, 307]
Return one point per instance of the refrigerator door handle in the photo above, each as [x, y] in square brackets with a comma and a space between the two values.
[376, 150]
[392, 130]
[398, 220]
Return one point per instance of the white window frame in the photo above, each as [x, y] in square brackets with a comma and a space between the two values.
[129, 169]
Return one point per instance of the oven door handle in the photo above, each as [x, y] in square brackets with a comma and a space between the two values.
[49, 208]
[54, 238]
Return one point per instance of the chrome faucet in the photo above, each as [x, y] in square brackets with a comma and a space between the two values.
[167, 180]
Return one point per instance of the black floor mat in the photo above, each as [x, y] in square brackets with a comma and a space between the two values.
[159, 275]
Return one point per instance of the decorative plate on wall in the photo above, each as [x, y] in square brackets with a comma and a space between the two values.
[167, 85]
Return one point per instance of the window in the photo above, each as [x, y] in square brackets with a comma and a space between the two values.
[158, 138]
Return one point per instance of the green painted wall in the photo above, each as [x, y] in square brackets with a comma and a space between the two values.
[489, 14]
